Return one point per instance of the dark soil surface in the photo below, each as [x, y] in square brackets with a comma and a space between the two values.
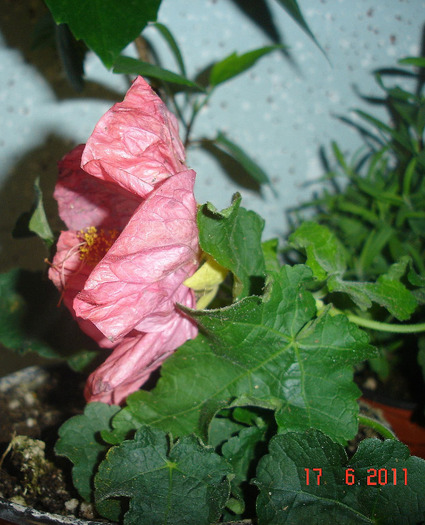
[30, 415]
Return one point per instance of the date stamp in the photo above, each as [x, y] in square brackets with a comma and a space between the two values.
[375, 477]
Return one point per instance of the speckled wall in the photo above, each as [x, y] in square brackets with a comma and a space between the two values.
[281, 112]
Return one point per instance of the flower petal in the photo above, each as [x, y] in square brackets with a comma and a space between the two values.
[69, 274]
[136, 284]
[132, 361]
[136, 143]
[87, 201]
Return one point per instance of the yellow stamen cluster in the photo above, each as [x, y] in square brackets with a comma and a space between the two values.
[95, 243]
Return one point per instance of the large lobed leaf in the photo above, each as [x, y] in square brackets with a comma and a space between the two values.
[265, 351]
[183, 483]
[106, 26]
[80, 442]
[381, 483]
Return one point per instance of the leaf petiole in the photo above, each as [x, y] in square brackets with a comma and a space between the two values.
[387, 327]
[384, 431]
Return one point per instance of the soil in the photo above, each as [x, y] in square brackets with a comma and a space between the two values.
[31, 414]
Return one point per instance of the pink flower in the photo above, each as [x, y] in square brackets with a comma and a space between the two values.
[127, 200]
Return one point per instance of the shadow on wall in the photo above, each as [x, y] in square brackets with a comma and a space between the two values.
[17, 196]
[26, 25]
[41, 321]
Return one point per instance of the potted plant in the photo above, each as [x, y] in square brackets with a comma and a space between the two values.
[255, 403]
[369, 230]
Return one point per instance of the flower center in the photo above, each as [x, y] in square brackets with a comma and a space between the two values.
[95, 243]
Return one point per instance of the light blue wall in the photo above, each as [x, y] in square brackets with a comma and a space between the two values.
[279, 113]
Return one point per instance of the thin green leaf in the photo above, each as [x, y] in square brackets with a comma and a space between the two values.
[413, 61]
[251, 167]
[38, 222]
[397, 136]
[172, 43]
[106, 26]
[293, 10]
[133, 66]
[235, 64]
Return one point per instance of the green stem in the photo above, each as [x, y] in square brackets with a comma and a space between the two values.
[378, 427]
[196, 109]
[387, 327]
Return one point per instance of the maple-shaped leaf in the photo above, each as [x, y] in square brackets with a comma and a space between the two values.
[174, 483]
[269, 351]
[307, 478]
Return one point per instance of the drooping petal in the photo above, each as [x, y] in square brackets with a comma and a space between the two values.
[87, 201]
[137, 356]
[136, 144]
[69, 274]
[136, 284]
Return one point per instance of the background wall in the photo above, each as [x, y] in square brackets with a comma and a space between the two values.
[281, 112]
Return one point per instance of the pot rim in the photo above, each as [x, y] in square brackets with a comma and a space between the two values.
[21, 515]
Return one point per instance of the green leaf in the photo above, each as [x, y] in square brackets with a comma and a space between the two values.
[79, 442]
[381, 483]
[293, 10]
[413, 61]
[393, 296]
[181, 483]
[325, 254]
[233, 238]
[327, 257]
[235, 64]
[262, 351]
[72, 55]
[243, 451]
[251, 167]
[30, 320]
[172, 43]
[35, 221]
[133, 66]
[82, 360]
[396, 135]
[14, 309]
[106, 26]
[38, 222]
[389, 294]
[270, 252]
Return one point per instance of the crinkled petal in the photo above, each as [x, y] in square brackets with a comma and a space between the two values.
[69, 274]
[136, 143]
[133, 361]
[136, 284]
[84, 200]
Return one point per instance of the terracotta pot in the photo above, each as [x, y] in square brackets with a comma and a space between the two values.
[399, 415]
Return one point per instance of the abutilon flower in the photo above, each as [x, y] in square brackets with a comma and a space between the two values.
[127, 200]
